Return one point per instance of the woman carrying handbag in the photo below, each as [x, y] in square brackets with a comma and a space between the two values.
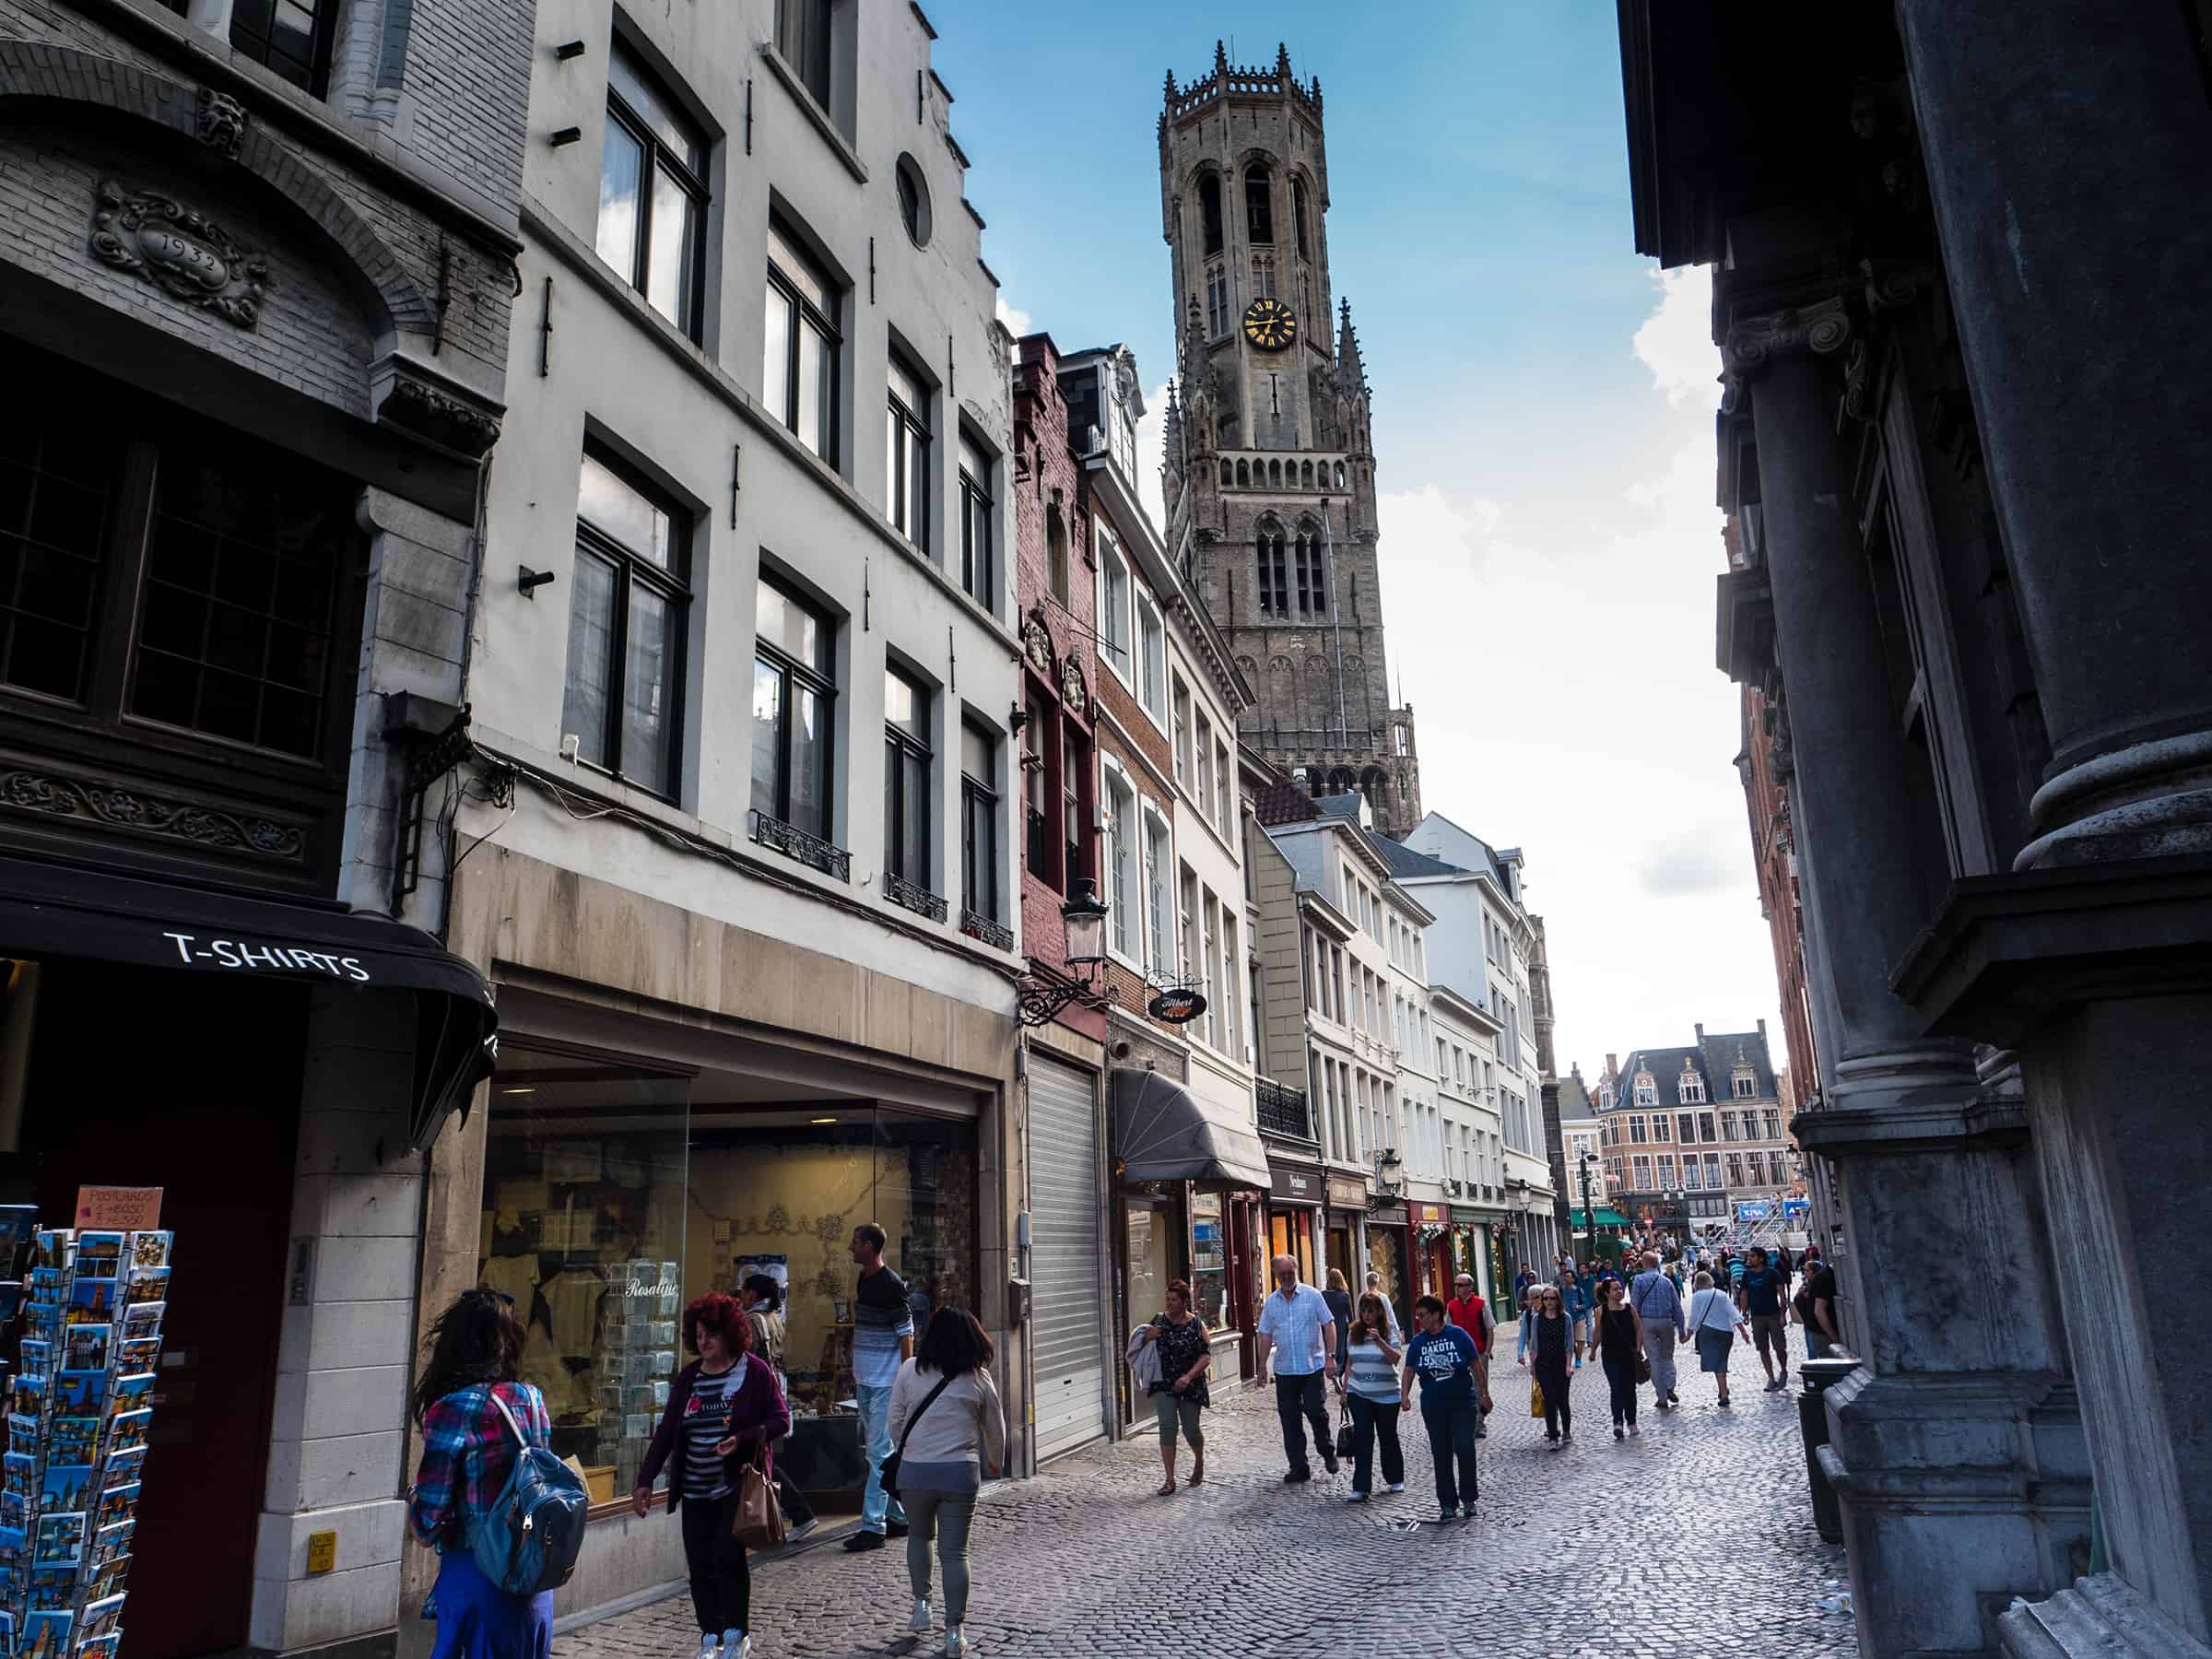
[950, 1431]
[725, 1412]
[1712, 1322]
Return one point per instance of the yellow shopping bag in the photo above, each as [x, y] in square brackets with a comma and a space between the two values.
[1535, 1398]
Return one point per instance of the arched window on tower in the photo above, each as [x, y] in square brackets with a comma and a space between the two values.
[1375, 787]
[1244, 474]
[1259, 212]
[1229, 474]
[1275, 474]
[1312, 582]
[1340, 474]
[1305, 475]
[1209, 210]
[1273, 571]
[1314, 781]
[1297, 214]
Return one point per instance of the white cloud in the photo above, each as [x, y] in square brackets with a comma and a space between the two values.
[1676, 341]
[1151, 432]
[1017, 319]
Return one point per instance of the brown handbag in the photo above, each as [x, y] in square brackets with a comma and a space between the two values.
[758, 1518]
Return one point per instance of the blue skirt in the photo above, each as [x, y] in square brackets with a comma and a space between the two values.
[476, 1620]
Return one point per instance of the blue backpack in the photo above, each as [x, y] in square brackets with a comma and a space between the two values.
[529, 1539]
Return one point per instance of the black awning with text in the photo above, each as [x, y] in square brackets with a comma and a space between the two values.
[53, 908]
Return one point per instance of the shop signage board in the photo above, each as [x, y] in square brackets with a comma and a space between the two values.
[1295, 1186]
[1348, 1192]
[322, 1552]
[119, 1209]
[1429, 1215]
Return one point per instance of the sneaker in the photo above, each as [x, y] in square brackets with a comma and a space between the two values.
[1481, 1433]
[1467, 1510]
[956, 1643]
[1295, 1476]
[897, 1529]
[1673, 1398]
[1356, 1497]
[920, 1620]
[1632, 1429]
[1396, 1486]
[1616, 1431]
[709, 1645]
[793, 1534]
[864, 1541]
[1329, 1463]
[737, 1645]
[1450, 1513]
[1778, 1386]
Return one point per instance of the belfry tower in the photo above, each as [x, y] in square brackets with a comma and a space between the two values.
[1270, 462]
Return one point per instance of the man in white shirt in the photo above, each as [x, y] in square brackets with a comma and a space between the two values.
[1300, 1333]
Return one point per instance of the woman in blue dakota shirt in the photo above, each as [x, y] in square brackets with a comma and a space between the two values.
[1443, 1357]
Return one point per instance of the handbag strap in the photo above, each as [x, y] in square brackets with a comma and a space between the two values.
[931, 1399]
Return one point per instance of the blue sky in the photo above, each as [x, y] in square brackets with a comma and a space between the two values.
[1543, 426]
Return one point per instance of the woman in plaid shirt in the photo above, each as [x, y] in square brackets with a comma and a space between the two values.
[467, 1454]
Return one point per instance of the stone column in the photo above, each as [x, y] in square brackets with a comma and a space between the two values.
[1959, 1489]
[2065, 152]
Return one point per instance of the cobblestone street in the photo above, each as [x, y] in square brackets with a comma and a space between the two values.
[1694, 1539]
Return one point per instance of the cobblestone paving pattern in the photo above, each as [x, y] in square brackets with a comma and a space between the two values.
[1693, 1541]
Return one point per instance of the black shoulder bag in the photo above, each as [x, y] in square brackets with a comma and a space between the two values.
[889, 1474]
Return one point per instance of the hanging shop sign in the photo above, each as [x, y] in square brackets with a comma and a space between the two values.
[127, 1209]
[1178, 1005]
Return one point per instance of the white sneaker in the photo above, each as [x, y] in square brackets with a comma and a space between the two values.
[921, 1621]
[710, 1646]
[955, 1644]
[737, 1645]
[1396, 1486]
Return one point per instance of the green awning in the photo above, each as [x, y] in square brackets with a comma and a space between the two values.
[1606, 1217]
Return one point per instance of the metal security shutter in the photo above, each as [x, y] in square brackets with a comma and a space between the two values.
[1066, 1251]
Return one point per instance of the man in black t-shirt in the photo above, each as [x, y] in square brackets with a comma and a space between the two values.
[1758, 1299]
[1815, 1304]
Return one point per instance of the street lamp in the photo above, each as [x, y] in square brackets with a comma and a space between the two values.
[1589, 1210]
[1083, 921]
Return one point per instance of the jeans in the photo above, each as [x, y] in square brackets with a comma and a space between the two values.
[1372, 1421]
[722, 1584]
[1452, 1441]
[1816, 1345]
[1172, 1409]
[1620, 1377]
[1300, 1400]
[1659, 1349]
[946, 1516]
[878, 1507]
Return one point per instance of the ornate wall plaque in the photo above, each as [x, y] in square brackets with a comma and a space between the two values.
[179, 251]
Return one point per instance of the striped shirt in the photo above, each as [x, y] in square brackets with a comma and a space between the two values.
[881, 1321]
[706, 1423]
[1374, 1377]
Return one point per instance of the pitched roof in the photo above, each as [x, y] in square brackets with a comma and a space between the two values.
[1284, 804]
[1714, 1060]
[1404, 861]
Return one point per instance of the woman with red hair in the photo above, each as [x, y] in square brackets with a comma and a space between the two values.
[725, 1410]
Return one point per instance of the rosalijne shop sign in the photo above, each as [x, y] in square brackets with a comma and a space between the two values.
[194, 950]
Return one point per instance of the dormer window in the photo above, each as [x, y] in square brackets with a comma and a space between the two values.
[1689, 1088]
[1744, 1083]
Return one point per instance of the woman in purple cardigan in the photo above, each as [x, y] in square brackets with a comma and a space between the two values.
[725, 1410]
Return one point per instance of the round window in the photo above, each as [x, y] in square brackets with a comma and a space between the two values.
[914, 200]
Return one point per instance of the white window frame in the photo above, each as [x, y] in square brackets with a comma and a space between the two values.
[1151, 663]
[1158, 886]
[1116, 647]
[1114, 780]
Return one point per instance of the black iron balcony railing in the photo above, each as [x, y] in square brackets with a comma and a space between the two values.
[795, 842]
[913, 897]
[1283, 1110]
[982, 927]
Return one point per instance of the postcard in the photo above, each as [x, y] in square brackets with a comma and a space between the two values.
[117, 1503]
[100, 1647]
[85, 1348]
[127, 1429]
[112, 1543]
[50, 1247]
[80, 1391]
[42, 1320]
[18, 1223]
[59, 1540]
[99, 1254]
[71, 1440]
[65, 1486]
[91, 1301]
[102, 1618]
[147, 1285]
[150, 1249]
[53, 1588]
[20, 1479]
[34, 1356]
[44, 1634]
[121, 1466]
[49, 1282]
[12, 1554]
[107, 1578]
[31, 1395]
[132, 1392]
[142, 1321]
[140, 1354]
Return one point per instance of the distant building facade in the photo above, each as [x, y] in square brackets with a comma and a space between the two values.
[1688, 1134]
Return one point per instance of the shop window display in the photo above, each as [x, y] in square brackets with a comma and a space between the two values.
[1209, 1260]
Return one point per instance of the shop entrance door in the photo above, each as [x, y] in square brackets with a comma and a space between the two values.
[146, 1079]
[1067, 1252]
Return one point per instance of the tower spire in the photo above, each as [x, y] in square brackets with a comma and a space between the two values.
[1348, 366]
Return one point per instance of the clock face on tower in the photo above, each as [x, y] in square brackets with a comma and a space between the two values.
[1270, 325]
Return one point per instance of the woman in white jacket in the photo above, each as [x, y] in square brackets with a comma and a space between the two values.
[951, 1431]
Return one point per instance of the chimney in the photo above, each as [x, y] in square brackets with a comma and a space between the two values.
[1701, 1033]
[1762, 1030]
[1612, 1066]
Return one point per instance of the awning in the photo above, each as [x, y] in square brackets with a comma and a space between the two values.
[55, 907]
[1606, 1217]
[1161, 1133]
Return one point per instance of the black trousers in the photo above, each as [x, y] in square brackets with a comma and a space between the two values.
[722, 1581]
[1373, 1421]
[1300, 1400]
[793, 1501]
[1620, 1377]
[1452, 1442]
[1559, 1409]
